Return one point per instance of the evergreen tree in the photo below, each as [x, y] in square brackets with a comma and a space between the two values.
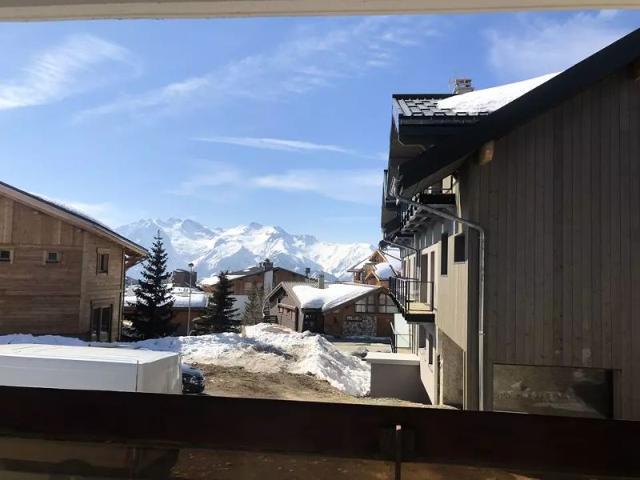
[154, 305]
[220, 316]
[254, 309]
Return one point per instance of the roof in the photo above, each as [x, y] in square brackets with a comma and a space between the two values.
[71, 215]
[87, 354]
[199, 299]
[332, 296]
[441, 158]
[214, 279]
[425, 108]
[382, 270]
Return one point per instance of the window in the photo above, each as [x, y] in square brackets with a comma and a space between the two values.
[103, 263]
[385, 304]
[53, 257]
[430, 348]
[459, 248]
[361, 305]
[444, 253]
[6, 256]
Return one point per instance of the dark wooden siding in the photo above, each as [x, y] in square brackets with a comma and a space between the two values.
[561, 204]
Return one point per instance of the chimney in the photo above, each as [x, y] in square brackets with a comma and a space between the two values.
[321, 280]
[462, 85]
[267, 265]
[307, 272]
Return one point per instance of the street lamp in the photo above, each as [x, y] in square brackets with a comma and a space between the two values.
[189, 309]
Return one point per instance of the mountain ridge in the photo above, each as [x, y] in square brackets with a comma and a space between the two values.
[242, 246]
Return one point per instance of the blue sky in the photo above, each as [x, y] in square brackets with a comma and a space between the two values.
[281, 121]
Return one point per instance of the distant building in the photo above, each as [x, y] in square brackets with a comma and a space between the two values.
[180, 278]
[377, 268]
[264, 276]
[61, 272]
[339, 309]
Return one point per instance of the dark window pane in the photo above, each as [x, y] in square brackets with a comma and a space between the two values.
[459, 248]
[444, 253]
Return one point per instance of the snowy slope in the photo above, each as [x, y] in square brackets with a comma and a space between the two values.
[236, 248]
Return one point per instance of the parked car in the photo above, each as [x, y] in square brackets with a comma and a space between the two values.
[192, 379]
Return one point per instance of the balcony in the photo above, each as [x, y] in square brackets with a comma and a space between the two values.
[401, 221]
[415, 298]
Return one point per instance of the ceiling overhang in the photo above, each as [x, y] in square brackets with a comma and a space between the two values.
[94, 9]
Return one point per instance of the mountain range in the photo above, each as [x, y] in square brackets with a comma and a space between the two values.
[236, 248]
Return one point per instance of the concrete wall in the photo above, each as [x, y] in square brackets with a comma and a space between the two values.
[396, 376]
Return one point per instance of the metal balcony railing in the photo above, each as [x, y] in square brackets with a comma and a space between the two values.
[413, 295]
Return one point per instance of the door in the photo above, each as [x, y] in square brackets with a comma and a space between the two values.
[101, 324]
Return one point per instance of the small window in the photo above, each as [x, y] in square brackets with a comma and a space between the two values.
[53, 257]
[430, 348]
[103, 263]
[460, 248]
[444, 253]
[5, 256]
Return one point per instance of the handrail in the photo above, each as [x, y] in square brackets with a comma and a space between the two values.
[408, 291]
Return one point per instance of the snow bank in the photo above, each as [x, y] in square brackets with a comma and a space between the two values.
[491, 99]
[330, 296]
[265, 349]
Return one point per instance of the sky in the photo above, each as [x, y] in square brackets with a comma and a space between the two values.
[280, 121]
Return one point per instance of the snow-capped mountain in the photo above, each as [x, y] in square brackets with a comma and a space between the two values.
[236, 248]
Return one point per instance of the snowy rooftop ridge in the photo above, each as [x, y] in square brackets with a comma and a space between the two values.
[491, 99]
[199, 299]
[331, 296]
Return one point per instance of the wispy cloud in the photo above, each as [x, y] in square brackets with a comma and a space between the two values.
[78, 64]
[278, 144]
[350, 185]
[356, 186]
[535, 45]
[312, 58]
[214, 174]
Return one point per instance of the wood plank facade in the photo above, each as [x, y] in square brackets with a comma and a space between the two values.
[60, 275]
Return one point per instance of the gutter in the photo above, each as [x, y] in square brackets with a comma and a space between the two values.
[481, 274]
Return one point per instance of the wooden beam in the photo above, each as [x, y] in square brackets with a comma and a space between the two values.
[94, 9]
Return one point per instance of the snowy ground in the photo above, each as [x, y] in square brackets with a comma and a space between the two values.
[264, 348]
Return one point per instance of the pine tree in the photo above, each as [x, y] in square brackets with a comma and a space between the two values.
[154, 305]
[253, 311]
[220, 316]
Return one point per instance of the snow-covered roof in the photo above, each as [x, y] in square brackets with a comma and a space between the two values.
[332, 296]
[491, 99]
[214, 279]
[180, 296]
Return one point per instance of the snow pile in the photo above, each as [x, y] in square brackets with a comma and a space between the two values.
[265, 349]
[331, 296]
[491, 99]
